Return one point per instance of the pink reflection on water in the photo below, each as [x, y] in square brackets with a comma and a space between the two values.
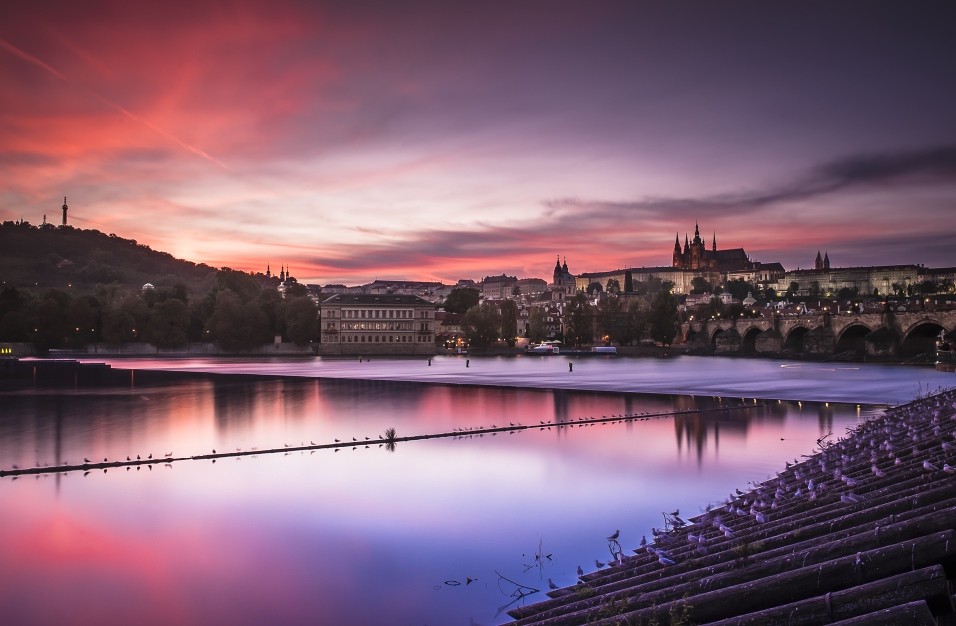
[360, 535]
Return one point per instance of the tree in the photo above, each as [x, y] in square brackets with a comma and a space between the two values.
[616, 322]
[83, 318]
[594, 287]
[662, 318]
[244, 286]
[50, 323]
[461, 299]
[168, 323]
[125, 319]
[238, 326]
[793, 289]
[699, 285]
[579, 321]
[509, 321]
[301, 319]
[613, 286]
[296, 290]
[480, 325]
[739, 289]
[537, 325]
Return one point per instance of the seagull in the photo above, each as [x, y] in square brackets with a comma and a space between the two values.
[663, 560]
[86, 460]
[929, 467]
[551, 584]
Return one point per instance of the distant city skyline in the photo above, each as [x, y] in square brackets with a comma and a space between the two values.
[438, 141]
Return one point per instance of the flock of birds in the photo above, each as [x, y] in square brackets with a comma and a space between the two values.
[918, 438]
[458, 432]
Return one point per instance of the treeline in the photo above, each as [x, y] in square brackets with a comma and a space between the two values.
[238, 312]
[616, 318]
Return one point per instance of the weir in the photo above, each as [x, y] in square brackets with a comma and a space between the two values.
[107, 464]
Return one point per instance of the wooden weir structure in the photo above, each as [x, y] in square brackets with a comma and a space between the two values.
[107, 464]
[861, 532]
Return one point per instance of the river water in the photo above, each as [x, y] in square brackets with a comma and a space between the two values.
[436, 531]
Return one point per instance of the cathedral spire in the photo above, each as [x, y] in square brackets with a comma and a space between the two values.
[715, 241]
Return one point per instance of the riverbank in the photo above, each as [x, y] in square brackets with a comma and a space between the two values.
[863, 531]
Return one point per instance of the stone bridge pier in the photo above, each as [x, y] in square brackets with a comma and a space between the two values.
[890, 335]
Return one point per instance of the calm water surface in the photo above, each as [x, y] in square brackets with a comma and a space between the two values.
[368, 536]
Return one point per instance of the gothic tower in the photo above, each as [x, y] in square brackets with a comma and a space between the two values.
[818, 263]
[677, 255]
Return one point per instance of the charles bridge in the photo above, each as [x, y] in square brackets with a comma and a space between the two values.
[889, 335]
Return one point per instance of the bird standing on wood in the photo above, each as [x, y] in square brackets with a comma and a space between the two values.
[614, 536]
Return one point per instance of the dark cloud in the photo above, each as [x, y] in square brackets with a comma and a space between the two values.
[927, 166]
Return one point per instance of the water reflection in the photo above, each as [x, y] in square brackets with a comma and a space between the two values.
[301, 537]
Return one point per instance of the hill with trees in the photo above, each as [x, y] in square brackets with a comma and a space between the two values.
[65, 288]
[44, 257]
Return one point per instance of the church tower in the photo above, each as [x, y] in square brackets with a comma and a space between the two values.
[818, 263]
[677, 254]
[696, 250]
[826, 260]
[65, 207]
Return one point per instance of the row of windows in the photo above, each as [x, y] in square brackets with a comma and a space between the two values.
[423, 327]
[386, 339]
[376, 326]
[379, 314]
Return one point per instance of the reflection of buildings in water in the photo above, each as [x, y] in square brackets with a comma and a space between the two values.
[233, 403]
[560, 397]
[825, 417]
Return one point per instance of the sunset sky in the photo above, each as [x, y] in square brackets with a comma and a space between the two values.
[445, 140]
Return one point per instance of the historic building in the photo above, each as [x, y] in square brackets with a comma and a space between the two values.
[695, 255]
[563, 285]
[497, 287]
[368, 324]
[880, 280]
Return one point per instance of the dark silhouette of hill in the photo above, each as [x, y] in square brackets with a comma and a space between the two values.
[44, 257]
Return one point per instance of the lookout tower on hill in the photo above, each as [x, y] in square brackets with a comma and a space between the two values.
[65, 208]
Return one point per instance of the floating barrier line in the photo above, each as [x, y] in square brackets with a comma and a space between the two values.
[104, 465]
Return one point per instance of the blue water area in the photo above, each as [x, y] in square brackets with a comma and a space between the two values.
[435, 532]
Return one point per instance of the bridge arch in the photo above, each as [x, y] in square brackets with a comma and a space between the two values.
[920, 338]
[851, 338]
[749, 340]
[713, 337]
[793, 342]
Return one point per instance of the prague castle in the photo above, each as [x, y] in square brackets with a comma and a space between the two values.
[696, 256]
